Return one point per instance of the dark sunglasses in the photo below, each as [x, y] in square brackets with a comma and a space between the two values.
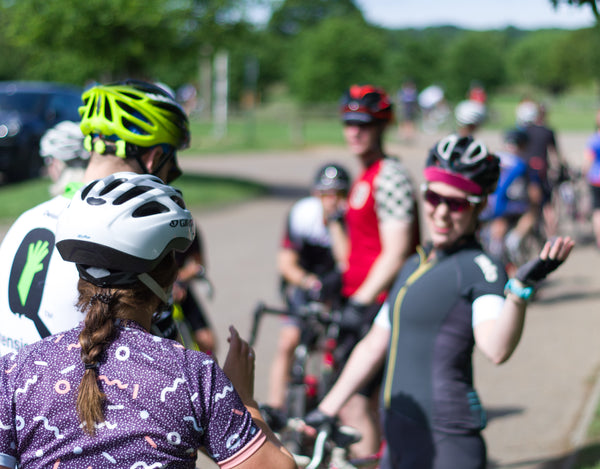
[454, 204]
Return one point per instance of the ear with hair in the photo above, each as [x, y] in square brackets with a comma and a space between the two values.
[151, 158]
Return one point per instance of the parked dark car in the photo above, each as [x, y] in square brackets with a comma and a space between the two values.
[27, 110]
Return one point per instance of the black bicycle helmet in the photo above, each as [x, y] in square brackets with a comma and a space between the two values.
[119, 228]
[465, 163]
[364, 104]
[332, 177]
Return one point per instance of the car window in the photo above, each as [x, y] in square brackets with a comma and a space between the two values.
[29, 103]
[64, 106]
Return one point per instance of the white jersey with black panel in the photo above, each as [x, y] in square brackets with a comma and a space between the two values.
[38, 290]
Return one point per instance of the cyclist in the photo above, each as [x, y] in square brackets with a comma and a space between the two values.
[469, 115]
[446, 299]
[309, 261]
[64, 156]
[408, 99]
[543, 157]
[192, 263]
[383, 231]
[507, 214]
[128, 126]
[591, 170]
[109, 392]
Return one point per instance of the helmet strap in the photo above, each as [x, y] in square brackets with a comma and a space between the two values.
[154, 287]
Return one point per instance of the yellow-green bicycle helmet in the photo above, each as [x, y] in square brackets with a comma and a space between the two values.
[132, 114]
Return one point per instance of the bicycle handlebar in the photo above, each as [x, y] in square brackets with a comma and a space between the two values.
[311, 311]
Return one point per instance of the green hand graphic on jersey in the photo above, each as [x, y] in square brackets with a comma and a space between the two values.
[36, 253]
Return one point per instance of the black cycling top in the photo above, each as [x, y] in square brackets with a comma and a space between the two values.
[428, 376]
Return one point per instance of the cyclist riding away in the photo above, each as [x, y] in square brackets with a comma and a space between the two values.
[446, 299]
[383, 231]
[128, 126]
[310, 259]
[591, 170]
[507, 216]
[108, 391]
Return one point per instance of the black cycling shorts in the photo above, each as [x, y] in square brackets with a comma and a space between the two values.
[413, 445]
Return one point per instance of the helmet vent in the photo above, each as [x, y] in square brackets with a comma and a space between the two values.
[107, 110]
[133, 112]
[95, 201]
[131, 193]
[112, 186]
[131, 95]
[87, 189]
[149, 209]
[178, 200]
[92, 108]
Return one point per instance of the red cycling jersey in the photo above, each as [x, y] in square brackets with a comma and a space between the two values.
[383, 191]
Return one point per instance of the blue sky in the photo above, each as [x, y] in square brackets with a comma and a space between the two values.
[471, 14]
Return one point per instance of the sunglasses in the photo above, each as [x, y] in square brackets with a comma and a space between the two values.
[454, 204]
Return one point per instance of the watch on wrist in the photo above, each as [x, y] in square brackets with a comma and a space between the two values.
[517, 288]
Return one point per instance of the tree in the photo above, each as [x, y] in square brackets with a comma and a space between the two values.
[294, 16]
[591, 3]
[330, 57]
[474, 56]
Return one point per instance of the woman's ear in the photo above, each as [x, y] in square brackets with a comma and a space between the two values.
[151, 158]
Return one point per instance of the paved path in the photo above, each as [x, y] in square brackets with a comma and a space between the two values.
[536, 401]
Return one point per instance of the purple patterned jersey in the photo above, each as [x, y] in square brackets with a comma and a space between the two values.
[163, 402]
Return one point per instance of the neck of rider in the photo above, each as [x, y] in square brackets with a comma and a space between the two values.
[103, 165]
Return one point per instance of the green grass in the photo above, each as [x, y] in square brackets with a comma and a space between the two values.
[285, 127]
[199, 192]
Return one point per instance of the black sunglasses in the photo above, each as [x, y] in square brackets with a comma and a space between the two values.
[454, 204]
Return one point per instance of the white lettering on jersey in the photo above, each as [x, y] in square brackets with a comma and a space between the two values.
[489, 269]
[359, 195]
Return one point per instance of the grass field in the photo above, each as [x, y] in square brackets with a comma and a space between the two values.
[199, 192]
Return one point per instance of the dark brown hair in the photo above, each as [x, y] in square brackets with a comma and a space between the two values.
[102, 306]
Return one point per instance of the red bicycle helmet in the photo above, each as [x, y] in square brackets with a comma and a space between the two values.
[364, 104]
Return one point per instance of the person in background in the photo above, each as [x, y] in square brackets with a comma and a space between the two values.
[128, 126]
[108, 392]
[507, 215]
[382, 223]
[591, 170]
[192, 266]
[64, 156]
[310, 260]
[544, 159]
[469, 116]
[408, 97]
[447, 299]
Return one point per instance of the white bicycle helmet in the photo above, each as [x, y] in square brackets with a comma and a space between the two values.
[527, 113]
[469, 113]
[119, 228]
[64, 142]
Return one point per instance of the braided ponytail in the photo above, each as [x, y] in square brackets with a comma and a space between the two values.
[99, 304]
[102, 306]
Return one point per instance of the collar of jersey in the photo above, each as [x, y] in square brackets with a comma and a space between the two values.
[71, 188]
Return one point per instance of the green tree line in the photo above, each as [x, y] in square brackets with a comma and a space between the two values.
[311, 48]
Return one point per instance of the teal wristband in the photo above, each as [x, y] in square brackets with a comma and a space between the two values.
[522, 292]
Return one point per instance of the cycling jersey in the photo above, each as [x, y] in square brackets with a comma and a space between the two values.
[307, 235]
[383, 192]
[37, 288]
[163, 402]
[510, 197]
[593, 175]
[536, 154]
[428, 376]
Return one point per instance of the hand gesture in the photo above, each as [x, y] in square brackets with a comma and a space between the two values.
[553, 254]
[239, 366]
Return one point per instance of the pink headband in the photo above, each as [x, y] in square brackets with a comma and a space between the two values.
[436, 174]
